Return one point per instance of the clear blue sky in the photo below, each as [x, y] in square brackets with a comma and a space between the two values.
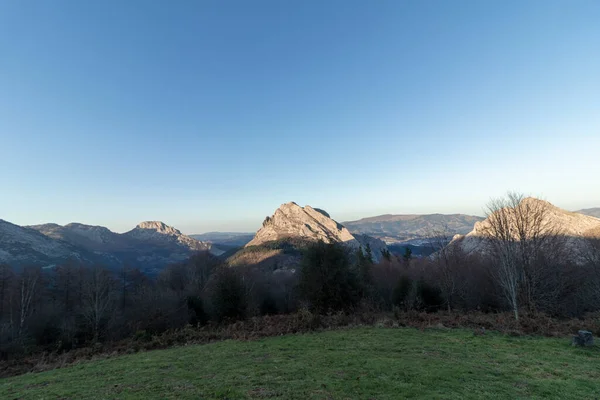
[208, 115]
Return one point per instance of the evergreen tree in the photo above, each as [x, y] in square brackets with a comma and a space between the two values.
[364, 272]
[386, 254]
[327, 280]
[368, 252]
[402, 291]
[407, 256]
[228, 295]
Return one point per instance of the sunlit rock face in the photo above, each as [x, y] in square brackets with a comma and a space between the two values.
[308, 223]
[577, 229]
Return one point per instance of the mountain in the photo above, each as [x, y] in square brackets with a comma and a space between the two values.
[291, 220]
[225, 239]
[576, 228]
[291, 228]
[94, 238]
[156, 244]
[592, 212]
[412, 228]
[159, 234]
[150, 246]
[21, 246]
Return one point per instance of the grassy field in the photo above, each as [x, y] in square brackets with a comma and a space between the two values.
[364, 363]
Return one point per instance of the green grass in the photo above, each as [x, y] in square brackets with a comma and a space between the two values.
[365, 363]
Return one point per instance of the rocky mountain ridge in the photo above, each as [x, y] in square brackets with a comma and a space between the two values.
[291, 220]
[160, 233]
[310, 224]
[575, 227]
[150, 246]
[21, 246]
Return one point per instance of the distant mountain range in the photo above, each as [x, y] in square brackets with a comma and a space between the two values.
[150, 245]
[592, 212]
[414, 229]
[225, 239]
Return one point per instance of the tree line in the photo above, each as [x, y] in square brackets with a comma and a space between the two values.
[527, 266]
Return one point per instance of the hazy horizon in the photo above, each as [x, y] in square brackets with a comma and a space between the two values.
[187, 227]
[208, 117]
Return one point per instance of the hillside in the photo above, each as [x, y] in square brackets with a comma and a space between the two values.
[150, 246]
[279, 242]
[576, 228]
[21, 246]
[95, 238]
[412, 228]
[364, 363]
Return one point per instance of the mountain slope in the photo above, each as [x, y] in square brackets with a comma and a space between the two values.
[157, 244]
[94, 238]
[291, 220]
[574, 227]
[412, 227]
[160, 234]
[291, 228]
[150, 246]
[21, 246]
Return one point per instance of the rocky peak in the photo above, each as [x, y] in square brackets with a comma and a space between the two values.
[573, 226]
[292, 221]
[555, 219]
[164, 235]
[159, 227]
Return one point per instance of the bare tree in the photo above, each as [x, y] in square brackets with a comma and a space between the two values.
[518, 233]
[29, 286]
[200, 267]
[592, 258]
[447, 258]
[97, 298]
[66, 286]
